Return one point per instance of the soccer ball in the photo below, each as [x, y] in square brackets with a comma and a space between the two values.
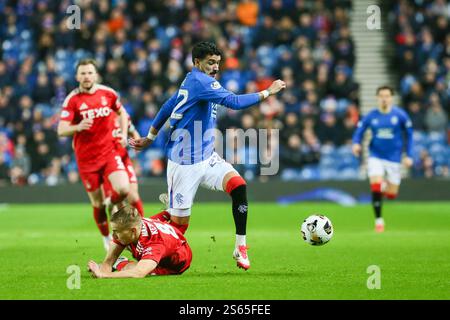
[317, 230]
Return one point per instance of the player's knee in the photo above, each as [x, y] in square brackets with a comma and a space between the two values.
[133, 196]
[96, 203]
[123, 189]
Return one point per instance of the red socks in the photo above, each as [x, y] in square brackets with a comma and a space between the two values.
[101, 220]
[122, 265]
[181, 227]
[390, 195]
[233, 183]
[163, 216]
[375, 187]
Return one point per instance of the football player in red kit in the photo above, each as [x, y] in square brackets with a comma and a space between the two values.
[88, 115]
[108, 192]
[159, 248]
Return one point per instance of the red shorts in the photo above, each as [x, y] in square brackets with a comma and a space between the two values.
[92, 180]
[177, 264]
[107, 187]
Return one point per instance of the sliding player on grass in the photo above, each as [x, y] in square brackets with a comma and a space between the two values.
[192, 160]
[388, 124]
[159, 248]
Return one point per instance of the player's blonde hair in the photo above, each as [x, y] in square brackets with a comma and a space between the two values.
[126, 217]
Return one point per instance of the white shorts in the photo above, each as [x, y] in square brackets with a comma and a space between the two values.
[184, 180]
[380, 167]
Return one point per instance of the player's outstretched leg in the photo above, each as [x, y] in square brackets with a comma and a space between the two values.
[166, 217]
[134, 199]
[236, 187]
[100, 217]
[377, 201]
[102, 223]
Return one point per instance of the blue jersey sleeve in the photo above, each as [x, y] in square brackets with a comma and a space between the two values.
[211, 90]
[362, 126]
[407, 126]
[165, 112]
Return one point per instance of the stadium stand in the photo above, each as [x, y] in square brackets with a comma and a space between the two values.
[422, 59]
[143, 51]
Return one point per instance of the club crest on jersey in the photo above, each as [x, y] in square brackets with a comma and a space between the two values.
[103, 101]
[96, 113]
[394, 120]
[179, 198]
[215, 85]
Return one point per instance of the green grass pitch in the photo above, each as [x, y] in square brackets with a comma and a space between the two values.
[39, 242]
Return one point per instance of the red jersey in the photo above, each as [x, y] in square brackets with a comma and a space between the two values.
[161, 242]
[99, 104]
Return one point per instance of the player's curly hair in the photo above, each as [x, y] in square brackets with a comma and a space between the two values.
[203, 49]
[126, 216]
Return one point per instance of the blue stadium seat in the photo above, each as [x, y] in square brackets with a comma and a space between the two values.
[348, 174]
[328, 174]
[437, 137]
[419, 137]
[290, 174]
[310, 173]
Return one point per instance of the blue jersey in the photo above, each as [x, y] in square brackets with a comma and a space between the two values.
[192, 114]
[388, 130]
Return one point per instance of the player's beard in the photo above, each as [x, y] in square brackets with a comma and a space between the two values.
[87, 85]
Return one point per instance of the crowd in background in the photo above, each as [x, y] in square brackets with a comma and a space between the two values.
[421, 33]
[143, 52]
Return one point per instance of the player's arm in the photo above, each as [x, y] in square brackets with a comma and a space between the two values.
[143, 268]
[132, 132]
[66, 129]
[358, 135]
[212, 91]
[111, 256]
[65, 126]
[123, 121]
[160, 118]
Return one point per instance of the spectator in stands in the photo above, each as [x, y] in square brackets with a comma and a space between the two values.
[143, 48]
[424, 168]
[4, 171]
[291, 155]
[417, 115]
[436, 120]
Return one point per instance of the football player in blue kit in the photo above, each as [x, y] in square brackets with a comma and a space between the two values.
[392, 133]
[192, 160]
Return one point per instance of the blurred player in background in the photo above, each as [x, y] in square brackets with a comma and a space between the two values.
[88, 115]
[159, 248]
[192, 160]
[389, 125]
[108, 192]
